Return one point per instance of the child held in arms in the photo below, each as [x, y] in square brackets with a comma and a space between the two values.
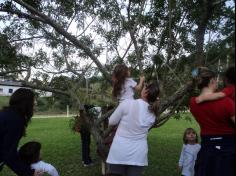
[228, 91]
[124, 86]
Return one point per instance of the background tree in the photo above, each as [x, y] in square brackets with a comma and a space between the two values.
[163, 39]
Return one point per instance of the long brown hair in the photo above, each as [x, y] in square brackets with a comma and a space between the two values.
[22, 102]
[204, 77]
[119, 75]
[152, 97]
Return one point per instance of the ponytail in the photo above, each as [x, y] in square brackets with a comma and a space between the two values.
[152, 97]
[155, 106]
[202, 76]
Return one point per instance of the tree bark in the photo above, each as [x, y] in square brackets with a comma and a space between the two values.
[206, 10]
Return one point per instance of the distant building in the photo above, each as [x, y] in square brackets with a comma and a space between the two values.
[7, 88]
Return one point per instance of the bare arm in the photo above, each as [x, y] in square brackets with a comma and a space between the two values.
[139, 87]
[210, 97]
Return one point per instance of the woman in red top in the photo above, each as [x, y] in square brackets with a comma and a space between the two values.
[217, 122]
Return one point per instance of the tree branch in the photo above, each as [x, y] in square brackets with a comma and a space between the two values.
[44, 88]
[23, 39]
[68, 36]
[177, 96]
[132, 30]
[12, 71]
[22, 15]
[207, 9]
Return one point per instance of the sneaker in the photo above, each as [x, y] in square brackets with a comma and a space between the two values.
[88, 165]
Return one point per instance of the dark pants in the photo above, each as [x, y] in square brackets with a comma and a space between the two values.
[85, 140]
[216, 157]
[124, 170]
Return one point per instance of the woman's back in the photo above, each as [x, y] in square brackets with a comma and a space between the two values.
[136, 119]
[214, 116]
[129, 146]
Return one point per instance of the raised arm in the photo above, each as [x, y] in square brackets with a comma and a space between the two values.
[210, 97]
[139, 87]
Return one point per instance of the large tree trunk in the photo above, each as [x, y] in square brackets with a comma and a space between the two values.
[200, 46]
[207, 9]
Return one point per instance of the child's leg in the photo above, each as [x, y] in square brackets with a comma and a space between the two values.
[85, 139]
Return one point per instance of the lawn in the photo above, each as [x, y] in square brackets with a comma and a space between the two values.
[3, 101]
[61, 147]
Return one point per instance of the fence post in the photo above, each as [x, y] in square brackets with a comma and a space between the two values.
[67, 111]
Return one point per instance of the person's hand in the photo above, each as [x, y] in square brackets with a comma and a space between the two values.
[142, 78]
[198, 100]
[38, 173]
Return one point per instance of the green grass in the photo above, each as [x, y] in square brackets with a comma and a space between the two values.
[61, 147]
[3, 101]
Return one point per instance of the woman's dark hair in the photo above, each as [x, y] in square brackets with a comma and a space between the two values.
[30, 152]
[22, 102]
[188, 130]
[119, 75]
[152, 97]
[204, 77]
[230, 75]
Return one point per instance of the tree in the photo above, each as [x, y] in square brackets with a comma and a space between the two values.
[164, 39]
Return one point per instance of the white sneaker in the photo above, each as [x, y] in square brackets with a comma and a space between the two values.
[88, 165]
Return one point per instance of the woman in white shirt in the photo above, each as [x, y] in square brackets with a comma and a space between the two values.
[128, 152]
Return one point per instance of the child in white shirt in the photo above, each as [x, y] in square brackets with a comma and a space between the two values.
[30, 154]
[124, 87]
[189, 152]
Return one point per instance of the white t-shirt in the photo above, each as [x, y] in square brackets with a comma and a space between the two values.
[128, 90]
[188, 157]
[129, 146]
[45, 167]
